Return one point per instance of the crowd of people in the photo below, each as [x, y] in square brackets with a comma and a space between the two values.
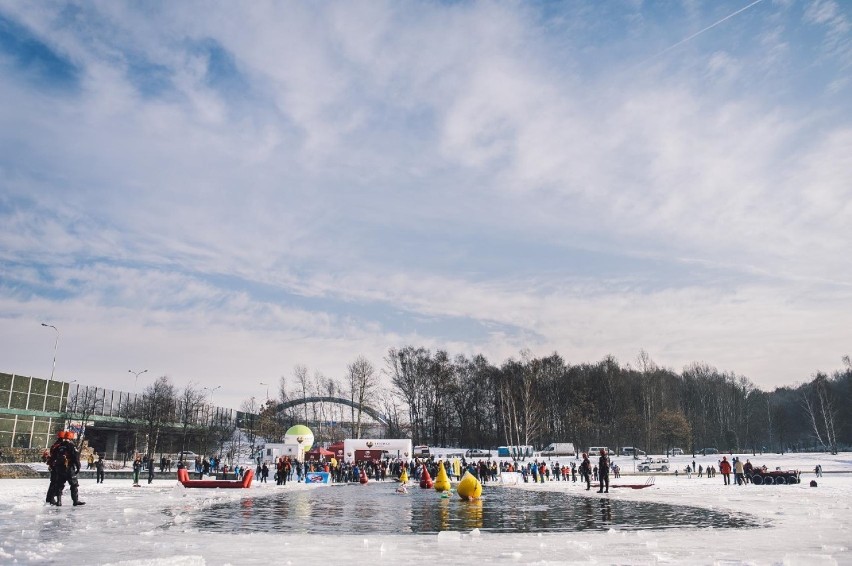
[63, 460]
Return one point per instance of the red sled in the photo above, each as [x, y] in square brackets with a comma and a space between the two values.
[183, 477]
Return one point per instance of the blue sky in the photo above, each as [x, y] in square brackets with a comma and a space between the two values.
[220, 191]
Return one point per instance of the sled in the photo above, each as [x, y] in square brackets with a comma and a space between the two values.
[183, 477]
[648, 483]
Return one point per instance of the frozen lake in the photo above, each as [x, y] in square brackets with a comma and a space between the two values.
[165, 524]
[377, 509]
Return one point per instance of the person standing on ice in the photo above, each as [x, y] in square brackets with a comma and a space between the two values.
[150, 470]
[137, 469]
[66, 461]
[603, 471]
[725, 470]
[586, 471]
[99, 469]
[51, 489]
[739, 471]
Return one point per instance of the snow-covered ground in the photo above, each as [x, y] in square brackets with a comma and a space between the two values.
[153, 525]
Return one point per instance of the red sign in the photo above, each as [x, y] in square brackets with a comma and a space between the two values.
[362, 455]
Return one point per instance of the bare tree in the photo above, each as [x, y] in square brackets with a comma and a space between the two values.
[156, 411]
[249, 422]
[361, 378]
[818, 403]
[648, 388]
[300, 372]
[83, 404]
[189, 406]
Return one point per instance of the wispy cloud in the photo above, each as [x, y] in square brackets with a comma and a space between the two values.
[239, 189]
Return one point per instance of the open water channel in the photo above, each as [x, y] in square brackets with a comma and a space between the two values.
[376, 508]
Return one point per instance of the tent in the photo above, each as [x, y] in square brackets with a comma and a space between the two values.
[319, 453]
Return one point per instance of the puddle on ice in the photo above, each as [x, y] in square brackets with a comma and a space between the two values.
[376, 508]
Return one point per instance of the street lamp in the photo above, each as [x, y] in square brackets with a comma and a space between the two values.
[267, 389]
[136, 379]
[211, 390]
[55, 346]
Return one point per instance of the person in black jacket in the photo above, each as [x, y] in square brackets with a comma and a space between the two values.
[603, 471]
[51, 489]
[99, 469]
[66, 462]
[586, 471]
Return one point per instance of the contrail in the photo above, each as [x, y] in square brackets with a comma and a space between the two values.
[696, 34]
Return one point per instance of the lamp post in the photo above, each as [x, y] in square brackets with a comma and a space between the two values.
[55, 346]
[211, 390]
[136, 379]
[136, 403]
[267, 389]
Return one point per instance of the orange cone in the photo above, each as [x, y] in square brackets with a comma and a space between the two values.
[363, 478]
[426, 479]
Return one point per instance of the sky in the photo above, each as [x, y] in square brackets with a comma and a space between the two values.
[220, 191]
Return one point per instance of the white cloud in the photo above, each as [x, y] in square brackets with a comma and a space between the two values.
[398, 158]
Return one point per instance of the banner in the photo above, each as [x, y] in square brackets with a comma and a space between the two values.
[318, 477]
[510, 478]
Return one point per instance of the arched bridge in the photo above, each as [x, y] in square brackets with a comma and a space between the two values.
[339, 400]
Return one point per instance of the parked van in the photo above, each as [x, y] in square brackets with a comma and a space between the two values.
[559, 449]
[654, 465]
[595, 450]
[675, 452]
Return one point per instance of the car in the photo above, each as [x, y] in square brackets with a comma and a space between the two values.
[675, 452]
[708, 451]
[654, 465]
[186, 456]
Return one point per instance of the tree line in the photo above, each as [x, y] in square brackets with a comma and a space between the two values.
[439, 400]
[466, 401]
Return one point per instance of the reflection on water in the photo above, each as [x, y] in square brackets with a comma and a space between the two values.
[377, 508]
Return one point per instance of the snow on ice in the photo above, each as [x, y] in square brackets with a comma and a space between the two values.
[154, 525]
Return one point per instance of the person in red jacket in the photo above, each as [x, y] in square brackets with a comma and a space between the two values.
[725, 469]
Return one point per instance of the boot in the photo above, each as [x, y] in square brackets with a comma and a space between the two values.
[77, 503]
[58, 500]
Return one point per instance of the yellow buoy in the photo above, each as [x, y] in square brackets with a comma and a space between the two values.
[442, 481]
[403, 477]
[469, 487]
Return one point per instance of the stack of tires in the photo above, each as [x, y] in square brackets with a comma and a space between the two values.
[775, 478]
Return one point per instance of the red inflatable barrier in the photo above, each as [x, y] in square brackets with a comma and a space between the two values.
[183, 477]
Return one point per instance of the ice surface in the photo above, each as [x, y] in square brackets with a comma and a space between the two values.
[154, 525]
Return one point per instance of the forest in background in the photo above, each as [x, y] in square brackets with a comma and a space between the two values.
[439, 400]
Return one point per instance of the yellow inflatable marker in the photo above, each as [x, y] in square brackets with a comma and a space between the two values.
[469, 487]
[403, 477]
[442, 482]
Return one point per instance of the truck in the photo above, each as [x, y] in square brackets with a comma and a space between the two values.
[654, 465]
[559, 449]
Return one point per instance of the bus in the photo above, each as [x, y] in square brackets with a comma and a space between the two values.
[525, 451]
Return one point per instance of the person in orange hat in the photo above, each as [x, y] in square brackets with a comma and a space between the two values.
[66, 462]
